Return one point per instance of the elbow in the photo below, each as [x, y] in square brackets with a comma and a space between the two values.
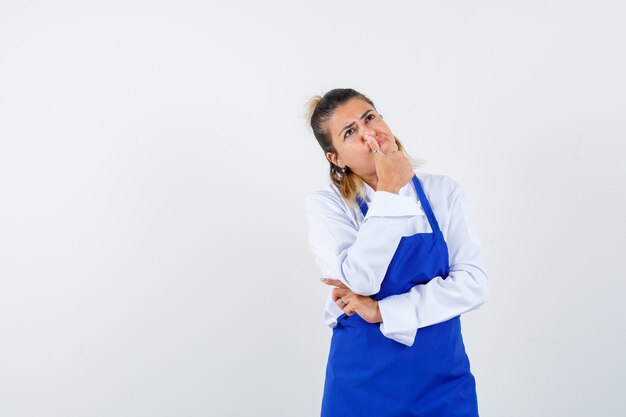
[367, 288]
[361, 279]
[477, 286]
[483, 290]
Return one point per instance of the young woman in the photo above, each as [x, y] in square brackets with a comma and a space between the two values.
[404, 261]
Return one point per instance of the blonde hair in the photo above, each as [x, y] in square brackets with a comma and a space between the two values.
[318, 110]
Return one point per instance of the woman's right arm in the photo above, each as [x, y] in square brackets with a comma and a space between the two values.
[357, 256]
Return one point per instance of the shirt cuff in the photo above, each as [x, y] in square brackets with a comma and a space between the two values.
[332, 311]
[399, 319]
[385, 203]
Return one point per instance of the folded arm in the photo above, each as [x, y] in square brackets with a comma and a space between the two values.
[465, 289]
[357, 256]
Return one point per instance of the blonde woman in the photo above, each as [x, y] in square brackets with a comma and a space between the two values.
[403, 261]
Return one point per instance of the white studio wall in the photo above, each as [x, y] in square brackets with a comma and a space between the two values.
[155, 157]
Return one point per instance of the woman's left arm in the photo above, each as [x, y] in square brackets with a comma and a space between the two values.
[465, 289]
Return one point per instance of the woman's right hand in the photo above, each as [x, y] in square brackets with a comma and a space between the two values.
[394, 170]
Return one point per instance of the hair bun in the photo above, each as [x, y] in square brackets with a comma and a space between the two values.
[311, 106]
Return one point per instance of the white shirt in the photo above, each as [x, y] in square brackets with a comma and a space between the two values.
[358, 250]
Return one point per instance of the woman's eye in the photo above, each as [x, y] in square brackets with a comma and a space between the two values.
[369, 117]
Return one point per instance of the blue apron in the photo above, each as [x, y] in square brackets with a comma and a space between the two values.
[371, 375]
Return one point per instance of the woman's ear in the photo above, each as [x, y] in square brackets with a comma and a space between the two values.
[332, 158]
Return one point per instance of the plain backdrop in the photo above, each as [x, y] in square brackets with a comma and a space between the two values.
[155, 157]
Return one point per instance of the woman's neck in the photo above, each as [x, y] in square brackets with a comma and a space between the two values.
[371, 180]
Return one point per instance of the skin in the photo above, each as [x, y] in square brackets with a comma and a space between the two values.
[354, 145]
[351, 303]
[357, 130]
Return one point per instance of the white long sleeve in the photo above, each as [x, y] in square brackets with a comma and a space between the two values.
[357, 256]
[465, 289]
[358, 251]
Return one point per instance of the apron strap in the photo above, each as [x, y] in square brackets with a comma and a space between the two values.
[425, 205]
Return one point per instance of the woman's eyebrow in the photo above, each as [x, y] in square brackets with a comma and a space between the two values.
[362, 116]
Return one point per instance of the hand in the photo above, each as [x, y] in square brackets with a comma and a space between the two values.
[366, 307]
[394, 169]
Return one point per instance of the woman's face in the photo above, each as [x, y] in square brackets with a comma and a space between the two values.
[348, 127]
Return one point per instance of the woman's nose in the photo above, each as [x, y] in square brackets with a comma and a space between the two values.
[367, 132]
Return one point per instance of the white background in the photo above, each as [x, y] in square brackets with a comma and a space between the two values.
[154, 160]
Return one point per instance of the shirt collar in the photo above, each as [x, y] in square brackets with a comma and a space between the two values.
[408, 190]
